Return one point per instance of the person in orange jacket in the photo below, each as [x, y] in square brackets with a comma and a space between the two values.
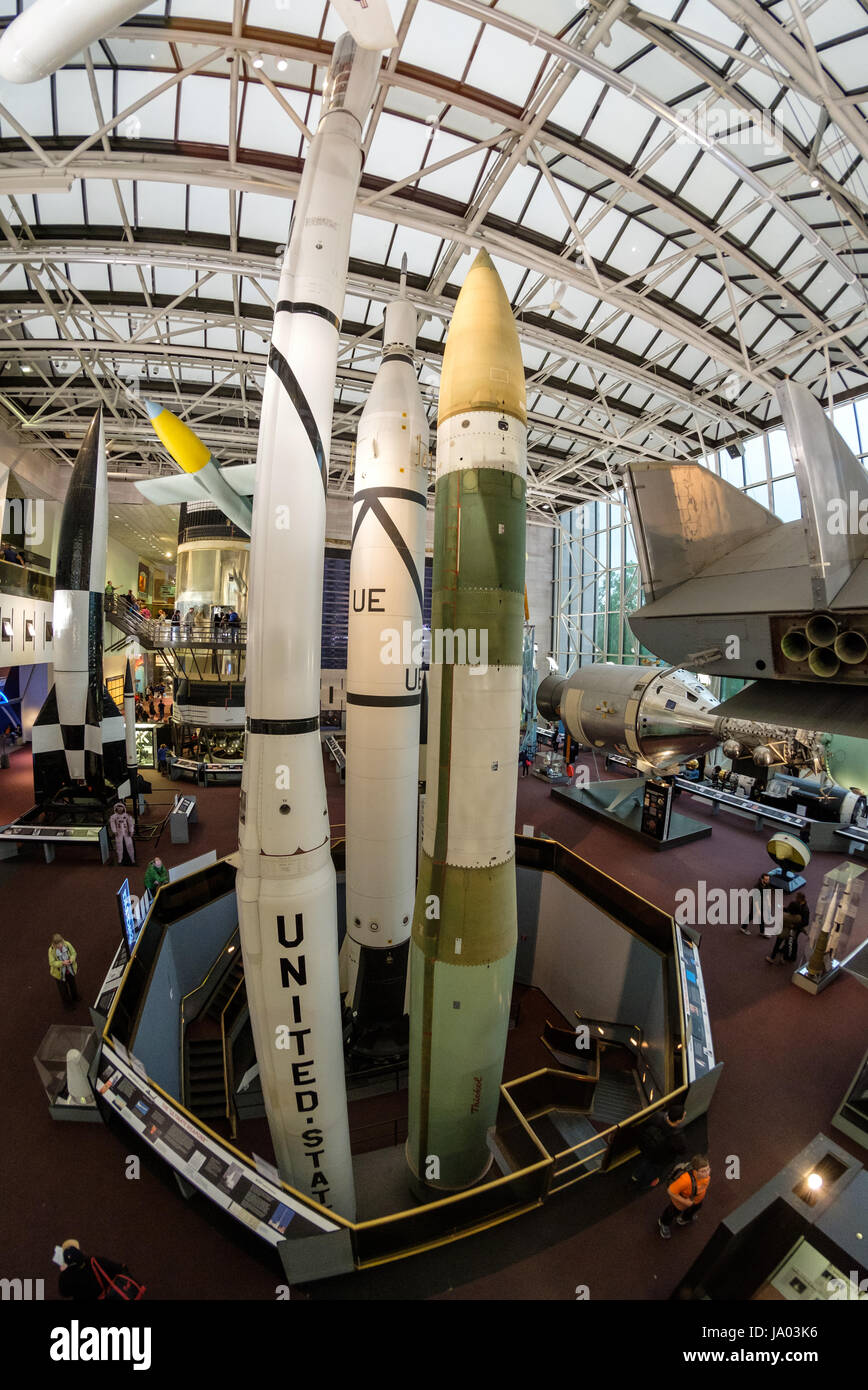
[686, 1195]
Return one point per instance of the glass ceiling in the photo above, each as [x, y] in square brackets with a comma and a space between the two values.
[675, 198]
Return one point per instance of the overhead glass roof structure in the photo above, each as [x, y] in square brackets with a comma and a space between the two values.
[674, 196]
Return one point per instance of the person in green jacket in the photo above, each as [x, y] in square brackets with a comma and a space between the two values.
[62, 962]
[155, 874]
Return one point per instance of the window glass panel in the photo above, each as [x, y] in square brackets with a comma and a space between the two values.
[786, 495]
[779, 448]
[755, 460]
[844, 420]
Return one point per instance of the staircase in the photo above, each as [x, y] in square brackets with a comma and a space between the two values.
[616, 1098]
[224, 991]
[205, 1088]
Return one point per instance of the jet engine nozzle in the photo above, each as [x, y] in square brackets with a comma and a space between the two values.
[821, 631]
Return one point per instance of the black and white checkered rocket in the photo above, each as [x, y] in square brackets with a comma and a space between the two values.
[78, 736]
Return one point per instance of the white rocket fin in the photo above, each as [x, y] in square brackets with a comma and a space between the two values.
[240, 477]
[177, 487]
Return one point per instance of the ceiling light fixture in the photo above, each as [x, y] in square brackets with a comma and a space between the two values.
[282, 65]
[258, 61]
[815, 183]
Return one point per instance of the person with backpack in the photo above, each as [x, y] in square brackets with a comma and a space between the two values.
[660, 1145]
[795, 921]
[85, 1279]
[686, 1194]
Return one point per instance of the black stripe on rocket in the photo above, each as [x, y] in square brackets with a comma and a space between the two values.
[289, 381]
[370, 500]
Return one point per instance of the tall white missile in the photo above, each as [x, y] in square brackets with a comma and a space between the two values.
[387, 575]
[51, 32]
[287, 902]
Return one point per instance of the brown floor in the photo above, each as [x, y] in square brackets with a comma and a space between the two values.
[788, 1060]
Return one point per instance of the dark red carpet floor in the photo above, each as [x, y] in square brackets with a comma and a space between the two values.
[788, 1060]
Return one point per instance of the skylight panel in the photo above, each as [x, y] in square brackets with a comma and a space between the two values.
[846, 62]
[777, 333]
[125, 278]
[219, 10]
[43, 326]
[218, 287]
[264, 125]
[75, 113]
[172, 279]
[155, 120]
[662, 75]
[398, 147]
[420, 249]
[303, 17]
[623, 44]
[369, 240]
[673, 164]
[30, 104]
[708, 185]
[600, 238]
[531, 356]
[61, 209]
[510, 274]
[577, 103]
[16, 279]
[830, 21]
[102, 204]
[209, 208]
[544, 212]
[504, 65]
[637, 246]
[355, 309]
[162, 204]
[515, 193]
[773, 240]
[759, 87]
[705, 18]
[264, 217]
[204, 110]
[140, 53]
[551, 15]
[701, 289]
[636, 336]
[439, 41]
[456, 180]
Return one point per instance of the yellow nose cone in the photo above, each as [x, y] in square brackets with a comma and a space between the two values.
[185, 447]
[482, 366]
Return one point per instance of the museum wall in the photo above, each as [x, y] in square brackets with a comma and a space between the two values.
[585, 961]
[157, 1038]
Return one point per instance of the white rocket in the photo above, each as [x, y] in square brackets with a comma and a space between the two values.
[51, 32]
[287, 904]
[387, 575]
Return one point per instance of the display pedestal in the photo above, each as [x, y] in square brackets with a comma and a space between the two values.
[621, 803]
[802, 980]
[831, 927]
